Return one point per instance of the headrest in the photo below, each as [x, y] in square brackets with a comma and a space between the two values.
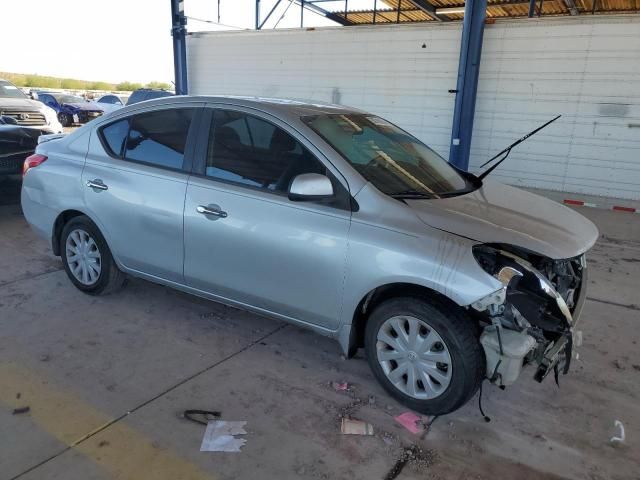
[226, 137]
[281, 141]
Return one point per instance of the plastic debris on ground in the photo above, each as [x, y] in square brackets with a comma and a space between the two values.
[355, 427]
[220, 436]
[618, 439]
[340, 386]
[412, 422]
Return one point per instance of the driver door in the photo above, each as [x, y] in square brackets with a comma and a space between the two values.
[262, 249]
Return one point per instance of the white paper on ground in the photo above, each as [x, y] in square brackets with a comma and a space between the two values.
[219, 436]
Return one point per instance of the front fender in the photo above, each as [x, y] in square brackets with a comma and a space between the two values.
[439, 261]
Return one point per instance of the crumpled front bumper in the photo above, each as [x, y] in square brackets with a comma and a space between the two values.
[559, 354]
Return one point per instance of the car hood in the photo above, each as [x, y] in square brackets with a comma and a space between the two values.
[497, 213]
[92, 107]
[20, 103]
[15, 137]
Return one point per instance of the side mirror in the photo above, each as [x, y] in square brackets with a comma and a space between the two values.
[310, 186]
[33, 95]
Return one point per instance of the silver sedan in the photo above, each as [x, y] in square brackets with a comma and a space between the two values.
[326, 217]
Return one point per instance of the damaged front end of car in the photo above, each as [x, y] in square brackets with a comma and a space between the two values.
[531, 320]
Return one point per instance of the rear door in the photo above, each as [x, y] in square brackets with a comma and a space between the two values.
[135, 179]
[263, 249]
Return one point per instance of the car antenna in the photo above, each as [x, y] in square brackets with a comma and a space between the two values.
[507, 150]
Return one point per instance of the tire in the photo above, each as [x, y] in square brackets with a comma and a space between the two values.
[103, 275]
[453, 361]
[65, 119]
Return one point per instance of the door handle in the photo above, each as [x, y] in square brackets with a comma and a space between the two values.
[97, 184]
[211, 210]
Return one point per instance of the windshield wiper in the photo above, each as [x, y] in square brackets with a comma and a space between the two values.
[411, 194]
[507, 150]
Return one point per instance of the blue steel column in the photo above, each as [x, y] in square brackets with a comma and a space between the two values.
[178, 31]
[470, 50]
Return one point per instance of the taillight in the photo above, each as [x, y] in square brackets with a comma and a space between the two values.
[32, 161]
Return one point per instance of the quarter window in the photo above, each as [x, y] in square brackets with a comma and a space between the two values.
[250, 151]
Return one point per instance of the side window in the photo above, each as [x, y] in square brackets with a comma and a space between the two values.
[159, 138]
[108, 99]
[114, 136]
[248, 150]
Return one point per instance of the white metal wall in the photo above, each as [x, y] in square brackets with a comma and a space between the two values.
[587, 69]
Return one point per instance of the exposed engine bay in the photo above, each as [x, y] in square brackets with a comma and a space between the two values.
[531, 320]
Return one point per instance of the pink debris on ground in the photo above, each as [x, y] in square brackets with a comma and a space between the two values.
[411, 422]
[343, 386]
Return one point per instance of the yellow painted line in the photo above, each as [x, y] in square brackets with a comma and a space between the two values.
[120, 450]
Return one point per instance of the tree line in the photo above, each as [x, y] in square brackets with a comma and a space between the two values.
[42, 81]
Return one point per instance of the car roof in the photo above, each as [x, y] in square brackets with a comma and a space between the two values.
[276, 106]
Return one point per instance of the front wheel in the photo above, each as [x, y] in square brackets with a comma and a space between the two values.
[425, 353]
[87, 258]
[65, 119]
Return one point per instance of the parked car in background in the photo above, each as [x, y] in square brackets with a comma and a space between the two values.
[327, 217]
[27, 112]
[22, 121]
[112, 102]
[112, 99]
[16, 144]
[147, 94]
[71, 108]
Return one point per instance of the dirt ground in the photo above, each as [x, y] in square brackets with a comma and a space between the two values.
[106, 380]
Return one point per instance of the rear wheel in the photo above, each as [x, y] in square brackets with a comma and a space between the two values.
[426, 354]
[87, 258]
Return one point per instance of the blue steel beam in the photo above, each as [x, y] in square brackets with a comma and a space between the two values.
[468, 69]
[179, 32]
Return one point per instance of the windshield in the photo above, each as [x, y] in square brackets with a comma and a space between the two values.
[68, 98]
[397, 163]
[8, 90]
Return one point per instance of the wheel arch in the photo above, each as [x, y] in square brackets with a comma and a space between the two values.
[376, 296]
[58, 225]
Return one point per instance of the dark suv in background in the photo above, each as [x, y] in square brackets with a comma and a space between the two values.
[22, 121]
[143, 94]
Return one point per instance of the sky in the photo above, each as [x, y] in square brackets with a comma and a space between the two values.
[120, 40]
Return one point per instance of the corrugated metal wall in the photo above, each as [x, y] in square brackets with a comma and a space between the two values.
[587, 69]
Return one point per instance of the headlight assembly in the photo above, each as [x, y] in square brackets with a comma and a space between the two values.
[516, 272]
[503, 269]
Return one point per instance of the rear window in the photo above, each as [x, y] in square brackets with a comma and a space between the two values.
[136, 97]
[142, 95]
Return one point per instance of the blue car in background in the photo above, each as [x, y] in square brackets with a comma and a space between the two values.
[70, 108]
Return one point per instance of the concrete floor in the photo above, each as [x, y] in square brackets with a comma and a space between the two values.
[126, 365]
